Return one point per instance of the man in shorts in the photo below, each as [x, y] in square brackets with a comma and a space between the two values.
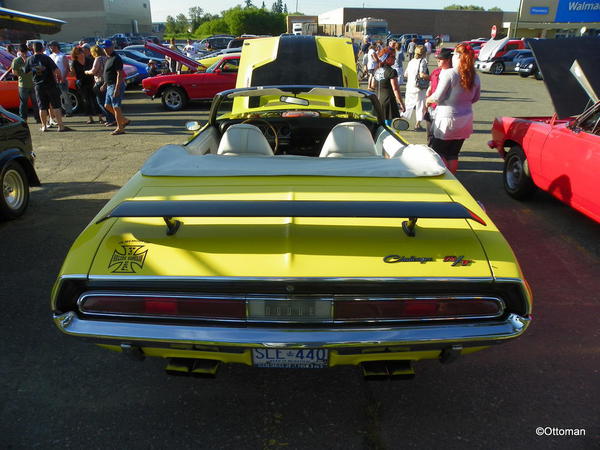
[114, 83]
[45, 78]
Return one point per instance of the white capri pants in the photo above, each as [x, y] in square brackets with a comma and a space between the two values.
[414, 100]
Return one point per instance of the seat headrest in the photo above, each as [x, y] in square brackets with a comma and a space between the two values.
[349, 140]
[244, 139]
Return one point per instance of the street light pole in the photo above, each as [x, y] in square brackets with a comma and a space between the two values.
[518, 16]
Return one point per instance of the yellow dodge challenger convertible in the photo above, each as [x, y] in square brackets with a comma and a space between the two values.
[293, 230]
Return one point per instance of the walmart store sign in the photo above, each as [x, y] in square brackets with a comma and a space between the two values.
[562, 10]
[577, 11]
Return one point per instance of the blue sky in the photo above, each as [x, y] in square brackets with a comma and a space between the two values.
[163, 8]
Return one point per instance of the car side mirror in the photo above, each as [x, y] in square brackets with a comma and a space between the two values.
[400, 124]
[218, 70]
[193, 125]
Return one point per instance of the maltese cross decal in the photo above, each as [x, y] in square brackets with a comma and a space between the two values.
[125, 262]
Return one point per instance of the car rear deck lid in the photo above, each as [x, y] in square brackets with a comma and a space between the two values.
[295, 208]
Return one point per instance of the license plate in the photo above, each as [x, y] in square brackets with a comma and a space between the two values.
[282, 358]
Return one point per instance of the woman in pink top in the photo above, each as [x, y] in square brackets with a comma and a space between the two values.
[458, 89]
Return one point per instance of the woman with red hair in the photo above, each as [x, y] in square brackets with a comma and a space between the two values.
[458, 89]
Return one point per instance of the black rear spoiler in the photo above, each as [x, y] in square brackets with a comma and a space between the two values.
[292, 208]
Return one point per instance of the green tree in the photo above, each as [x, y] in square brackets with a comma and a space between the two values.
[285, 10]
[182, 23]
[277, 7]
[263, 6]
[466, 7]
[195, 13]
[248, 4]
[495, 8]
[170, 25]
[214, 26]
[254, 21]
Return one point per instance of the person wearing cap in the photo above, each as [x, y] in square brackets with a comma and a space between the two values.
[45, 77]
[25, 84]
[114, 83]
[444, 61]
[62, 62]
[457, 90]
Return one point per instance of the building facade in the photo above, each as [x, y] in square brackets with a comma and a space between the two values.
[98, 18]
[459, 25]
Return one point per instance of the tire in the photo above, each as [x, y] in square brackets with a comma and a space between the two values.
[75, 101]
[523, 75]
[497, 68]
[517, 179]
[174, 99]
[15, 190]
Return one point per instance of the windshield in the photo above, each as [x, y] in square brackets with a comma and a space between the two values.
[378, 30]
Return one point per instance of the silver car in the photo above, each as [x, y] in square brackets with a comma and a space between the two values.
[505, 63]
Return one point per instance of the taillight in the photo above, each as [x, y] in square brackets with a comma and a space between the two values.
[417, 309]
[163, 306]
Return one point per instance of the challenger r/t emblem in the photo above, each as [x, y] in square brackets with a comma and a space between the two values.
[125, 261]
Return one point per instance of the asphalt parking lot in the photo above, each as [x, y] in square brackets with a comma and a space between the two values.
[62, 393]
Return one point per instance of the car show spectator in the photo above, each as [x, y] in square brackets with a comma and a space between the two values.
[386, 82]
[11, 49]
[410, 48]
[86, 50]
[97, 71]
[191, 49]
[444, 61]
[428, 48]
[371, 63]
[62, 62]
[85, 83]
[173, 65]
[45, 78]
[458, 88]
[399, 61]
[152, 69]
[114, 83]
[25, 84]
[414, 99]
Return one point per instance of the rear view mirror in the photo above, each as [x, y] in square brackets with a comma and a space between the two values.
[399, 124]
[293, 100]
[193, 126]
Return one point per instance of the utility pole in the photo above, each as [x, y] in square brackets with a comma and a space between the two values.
[296, 5]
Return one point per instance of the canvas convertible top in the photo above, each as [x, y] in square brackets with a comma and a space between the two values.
[175, 160]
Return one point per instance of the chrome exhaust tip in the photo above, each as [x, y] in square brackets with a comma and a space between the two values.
[200, 368]
[388, 370]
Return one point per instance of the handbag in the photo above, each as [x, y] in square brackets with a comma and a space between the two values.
[422, 83]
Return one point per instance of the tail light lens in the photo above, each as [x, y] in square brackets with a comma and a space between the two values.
[417, 309]
[213, 307]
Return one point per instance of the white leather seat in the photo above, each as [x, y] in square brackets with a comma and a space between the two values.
[243, 139]
[349, 140]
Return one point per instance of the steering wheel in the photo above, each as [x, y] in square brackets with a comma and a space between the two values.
[273, 129]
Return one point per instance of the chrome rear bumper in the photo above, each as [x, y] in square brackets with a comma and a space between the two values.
[113, 332]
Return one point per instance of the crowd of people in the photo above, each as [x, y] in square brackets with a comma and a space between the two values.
[441, 100]
[42, 79]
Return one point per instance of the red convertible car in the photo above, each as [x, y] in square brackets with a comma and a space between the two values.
[558, 154]
[176, 90]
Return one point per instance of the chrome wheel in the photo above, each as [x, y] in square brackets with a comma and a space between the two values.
[514, 172]
[498, 69]
[517, 180]
[15, 191]
[174, 99]
[73, 100]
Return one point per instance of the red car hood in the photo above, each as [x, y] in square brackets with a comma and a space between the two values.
[194, 65]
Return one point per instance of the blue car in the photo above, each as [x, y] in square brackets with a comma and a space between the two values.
[142, 69]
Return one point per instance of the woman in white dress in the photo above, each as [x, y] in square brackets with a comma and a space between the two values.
[457, 90]
[414, 98]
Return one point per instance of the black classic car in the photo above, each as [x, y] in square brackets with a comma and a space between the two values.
[16, 165]
[528, 66]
